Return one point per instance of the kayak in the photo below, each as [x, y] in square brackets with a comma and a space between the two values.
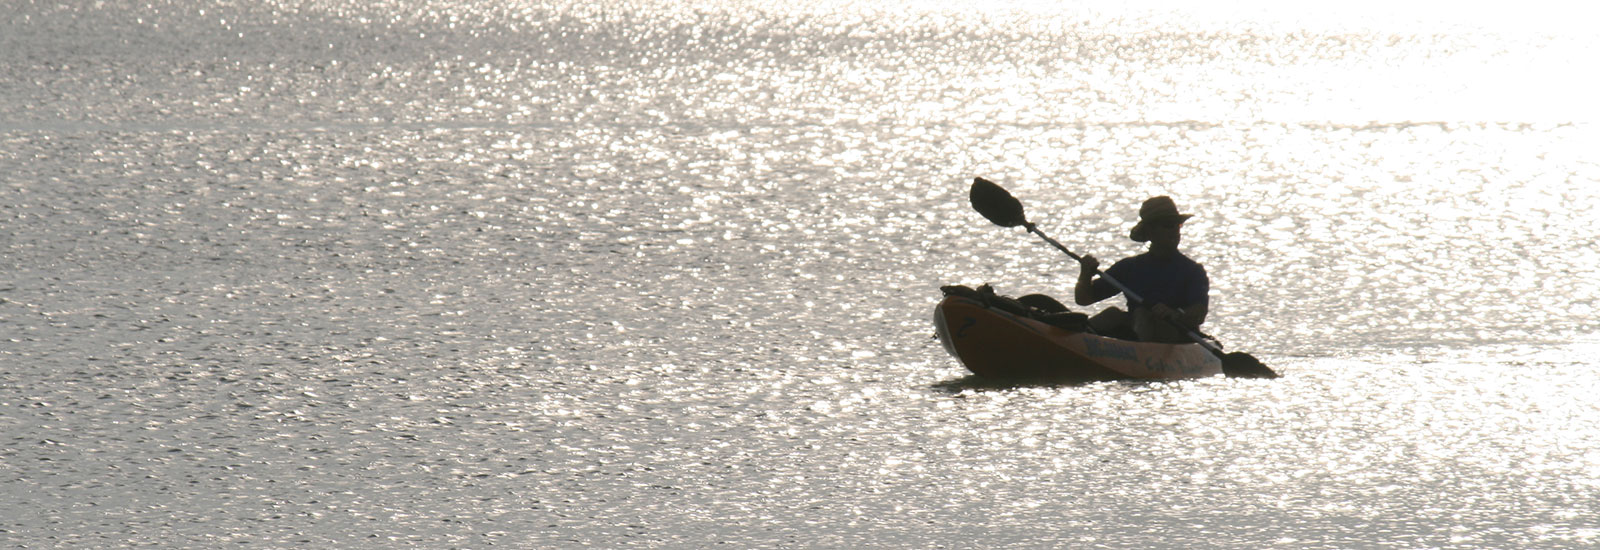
[996, 337]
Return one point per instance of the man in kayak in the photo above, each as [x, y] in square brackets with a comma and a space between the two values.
[1174, 287]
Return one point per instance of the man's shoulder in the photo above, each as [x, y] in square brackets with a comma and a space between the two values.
[1151, 257]
[1147, 260]
[1130, 263]
[1186, 260]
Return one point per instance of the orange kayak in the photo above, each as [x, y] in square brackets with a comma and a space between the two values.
[995, 343]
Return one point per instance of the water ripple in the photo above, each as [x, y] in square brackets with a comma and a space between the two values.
[437, 274]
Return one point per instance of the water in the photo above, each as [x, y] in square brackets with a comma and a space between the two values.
[533, 275]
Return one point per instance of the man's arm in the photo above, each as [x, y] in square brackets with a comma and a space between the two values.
[1084, 292]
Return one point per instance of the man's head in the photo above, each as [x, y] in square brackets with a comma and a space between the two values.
[1159, 221]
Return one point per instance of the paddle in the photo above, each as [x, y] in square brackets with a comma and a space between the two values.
[997, 204]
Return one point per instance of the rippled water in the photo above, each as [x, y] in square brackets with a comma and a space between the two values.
[549, 274]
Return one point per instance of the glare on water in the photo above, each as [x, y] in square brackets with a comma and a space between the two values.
[567, 274]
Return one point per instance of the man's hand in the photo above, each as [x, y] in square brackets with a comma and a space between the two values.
[1083, 292]
[1170, 315]
[1088, 264]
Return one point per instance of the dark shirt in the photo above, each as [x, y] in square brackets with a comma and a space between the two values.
[1175, 280]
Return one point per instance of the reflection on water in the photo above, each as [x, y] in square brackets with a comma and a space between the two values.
[439, 274]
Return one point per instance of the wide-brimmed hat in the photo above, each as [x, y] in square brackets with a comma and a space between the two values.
[1156, 210]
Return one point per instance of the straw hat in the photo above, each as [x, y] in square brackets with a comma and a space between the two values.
[1156, 210]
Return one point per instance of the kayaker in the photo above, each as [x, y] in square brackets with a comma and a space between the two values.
[1173, 286]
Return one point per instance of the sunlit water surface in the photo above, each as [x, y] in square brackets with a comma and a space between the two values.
[543, 274]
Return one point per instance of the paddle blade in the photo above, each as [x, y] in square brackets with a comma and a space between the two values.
[1243, 365]
[995, 203]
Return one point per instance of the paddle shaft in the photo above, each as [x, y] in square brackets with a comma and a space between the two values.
[1133, 297]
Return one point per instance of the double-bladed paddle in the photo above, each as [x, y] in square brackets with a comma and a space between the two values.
[997, 204]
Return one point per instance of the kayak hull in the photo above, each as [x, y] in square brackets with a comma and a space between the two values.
[999, 344]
